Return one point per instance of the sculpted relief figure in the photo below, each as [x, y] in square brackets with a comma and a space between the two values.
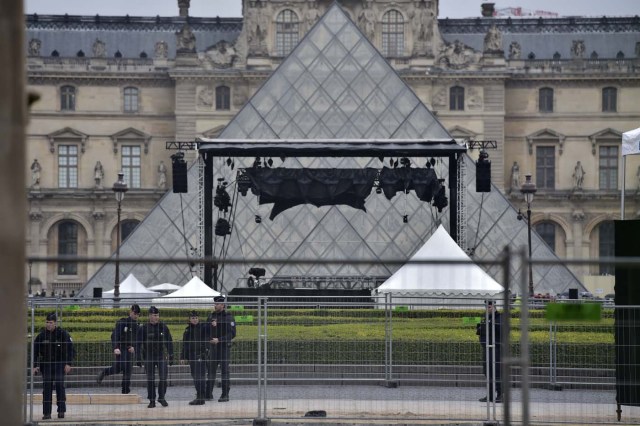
[161, 50]
[34, 47]
[162, 175]
[186, 40]
[205, 97]
[474, 100]
[99, 49]
[367, 22]
[221, 55]
[514, 50]
[311, 16]
[422, 22]
[440, 98]
[493, 40]
[577, 48]
[258, 22]
[457, 55]
[515, 176]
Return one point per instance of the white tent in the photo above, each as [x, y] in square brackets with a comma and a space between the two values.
[165, 288]
[459, 283]
[131, 288]
[195, 292]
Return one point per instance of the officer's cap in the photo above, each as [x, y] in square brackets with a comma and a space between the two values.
[219, 299]
[489, 302]
[154, 310]
[52, 317]
[135, 309]
[193, 314]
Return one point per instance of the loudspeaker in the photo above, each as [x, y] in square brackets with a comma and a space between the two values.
[627, 315]
[573, 293]
[483, 173]
[179, 169]
[97, 292]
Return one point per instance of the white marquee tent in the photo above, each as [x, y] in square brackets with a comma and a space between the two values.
[165, 288]
[195, 292]
[446, 283]
[131, 288]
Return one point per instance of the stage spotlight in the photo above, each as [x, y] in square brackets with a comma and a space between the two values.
[179, 166]
[405, 218]
[258, 219]
[378, 190]
[222, 228]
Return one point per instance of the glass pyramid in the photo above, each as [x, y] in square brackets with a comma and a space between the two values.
[333, 85]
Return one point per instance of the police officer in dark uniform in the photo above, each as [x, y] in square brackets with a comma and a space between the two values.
[152, 340]
[123, 342]
[485, 330]
[195, 343]
[222, 331]
[53, 354]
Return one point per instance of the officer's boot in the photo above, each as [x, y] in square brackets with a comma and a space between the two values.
[225, 393]
[208, 396]
[198, 401]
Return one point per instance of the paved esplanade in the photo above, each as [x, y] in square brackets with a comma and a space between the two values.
[348, 405]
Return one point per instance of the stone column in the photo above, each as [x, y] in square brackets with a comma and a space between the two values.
[13, 210]
[99, 249]
[579, 244]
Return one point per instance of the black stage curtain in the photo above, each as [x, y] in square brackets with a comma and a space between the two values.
[627, 315]
[286, 188]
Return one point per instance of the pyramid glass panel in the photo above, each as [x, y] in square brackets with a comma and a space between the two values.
[333, 81]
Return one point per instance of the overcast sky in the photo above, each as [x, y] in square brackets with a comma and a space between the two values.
[233, 8]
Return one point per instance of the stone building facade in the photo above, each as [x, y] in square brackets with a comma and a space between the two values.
[555, 94]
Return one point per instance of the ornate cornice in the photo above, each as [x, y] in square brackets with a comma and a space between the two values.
[97, 79]
[35, 216]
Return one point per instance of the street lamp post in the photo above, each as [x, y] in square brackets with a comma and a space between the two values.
[119, 188]
[528, 189]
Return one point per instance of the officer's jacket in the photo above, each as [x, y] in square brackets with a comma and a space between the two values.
[195, 342]
[484, 328]
[53, 347]
[225, 329]
[151, 341]
[124, 334]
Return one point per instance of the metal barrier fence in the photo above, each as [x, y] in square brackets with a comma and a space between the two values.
[385, 358]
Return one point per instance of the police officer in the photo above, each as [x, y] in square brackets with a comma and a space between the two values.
[123, 342]
[194, 351]
[152, 340]
[222, 331]
[485, 331]
[53, 354]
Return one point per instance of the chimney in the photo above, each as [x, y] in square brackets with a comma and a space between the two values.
[488, 10]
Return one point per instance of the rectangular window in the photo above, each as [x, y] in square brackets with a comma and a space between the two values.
[131, 165]
[130, 99]
[223, 98]
[67, 246]
[545, 100]
[456, 98]
[67, 166]
[608, 167]
[68, 98]
[546, 167]
[609, 99]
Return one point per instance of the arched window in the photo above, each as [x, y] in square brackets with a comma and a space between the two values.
[287, 32]
[127, 227]
[68, 98]
[609, 99]
[545, 98]
[456, 98]
[223, 98]
[606, 245]
[67, 246]
[547, 231]
[392, 34]
[130, 99]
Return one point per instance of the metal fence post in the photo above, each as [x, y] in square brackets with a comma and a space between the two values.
[388, 342]
[553, 357]
[261, 417]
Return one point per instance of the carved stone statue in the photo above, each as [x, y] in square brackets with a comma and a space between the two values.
[493, 40]
[422, 22]
[34, 47]
[183, 7]
[474, 100]
[578, 177]
[258, 23]
[514, 50]
[577, 48]
[35, 173]
[99, 49]
[456, 55]
[367, 22]
[162, 175]
[98, 174]
[515, 176]
[161, 50]
[186, 40]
